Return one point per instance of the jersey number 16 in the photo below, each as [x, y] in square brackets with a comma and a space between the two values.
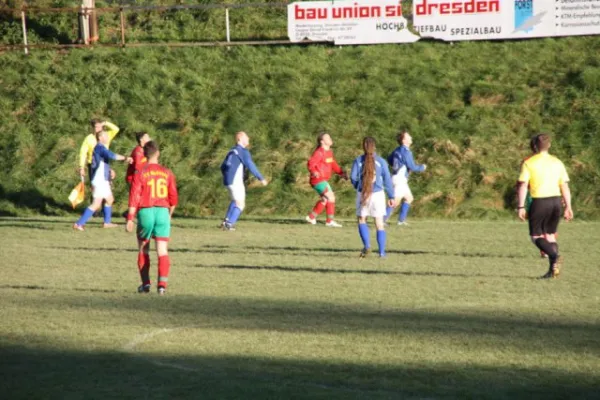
[159, 188]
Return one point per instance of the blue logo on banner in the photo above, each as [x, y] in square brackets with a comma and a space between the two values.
[523, 11]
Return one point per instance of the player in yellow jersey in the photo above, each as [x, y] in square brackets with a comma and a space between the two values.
[548, 182]
[87, 147]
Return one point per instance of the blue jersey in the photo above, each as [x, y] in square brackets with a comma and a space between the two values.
[401, 160]
[382, 175]
[100, 162]
[232, 167]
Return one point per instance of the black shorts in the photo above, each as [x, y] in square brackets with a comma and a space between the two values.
[544, 215]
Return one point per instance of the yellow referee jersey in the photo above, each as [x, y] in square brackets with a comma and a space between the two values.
[87, 147]
[544, 174]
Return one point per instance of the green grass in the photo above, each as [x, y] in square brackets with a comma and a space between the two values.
[279, 309]
[471, 108]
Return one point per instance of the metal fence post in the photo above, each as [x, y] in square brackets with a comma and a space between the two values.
[227, 24]
[122, 27]
[24, 31]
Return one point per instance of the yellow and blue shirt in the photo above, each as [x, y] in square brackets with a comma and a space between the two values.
[89, 143]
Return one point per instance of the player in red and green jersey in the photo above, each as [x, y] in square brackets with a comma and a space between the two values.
[154, 196]
[138, 156]
[321, 165]
[138, 159]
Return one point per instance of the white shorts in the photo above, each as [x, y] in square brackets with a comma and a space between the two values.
[102, 190]
[237, 192]
[375, 206]
[401, 189]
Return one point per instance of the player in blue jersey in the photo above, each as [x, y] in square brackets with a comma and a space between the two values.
[232, 169]
[100, 179]
[402, 163]
[370, 176]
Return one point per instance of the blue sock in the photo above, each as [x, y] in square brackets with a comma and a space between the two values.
[388, 213]
[235, 214]
[404, 212]
[229, 211]
[381, 237]
[107, 210]
[87, 214]
[363, 231]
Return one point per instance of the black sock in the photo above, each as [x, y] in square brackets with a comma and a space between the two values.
[555, 247]
[549, 248]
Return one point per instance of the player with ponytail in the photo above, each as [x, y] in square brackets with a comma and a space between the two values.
[371, 177]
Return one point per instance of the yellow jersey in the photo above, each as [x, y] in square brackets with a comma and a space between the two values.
[87, 147]
[544, 174]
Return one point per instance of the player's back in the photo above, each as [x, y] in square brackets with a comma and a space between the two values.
[154, 186]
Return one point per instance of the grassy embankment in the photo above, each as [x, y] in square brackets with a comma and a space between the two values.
[470, 106]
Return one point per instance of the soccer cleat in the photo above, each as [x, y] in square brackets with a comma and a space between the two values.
[78, 227]
[221, 225]
[364, 253]
[382, 255]
[310, 220]
[161, 290]
[144, 288]
[555, 268]
[402, 223]
[228, 227]
[333, 224]
[110, 225]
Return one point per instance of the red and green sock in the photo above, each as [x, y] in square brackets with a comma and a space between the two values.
[164, 266]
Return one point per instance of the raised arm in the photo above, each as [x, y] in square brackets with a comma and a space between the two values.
[112, 129]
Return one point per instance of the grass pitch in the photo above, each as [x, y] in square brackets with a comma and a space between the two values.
[280, 309]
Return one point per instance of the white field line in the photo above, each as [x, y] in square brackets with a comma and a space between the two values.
[138, 340]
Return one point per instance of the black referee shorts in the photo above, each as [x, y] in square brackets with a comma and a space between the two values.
[544, 215]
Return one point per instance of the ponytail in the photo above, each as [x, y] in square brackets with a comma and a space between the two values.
[368, 172]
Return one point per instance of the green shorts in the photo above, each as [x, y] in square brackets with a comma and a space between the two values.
[322, 188]
[154, 222]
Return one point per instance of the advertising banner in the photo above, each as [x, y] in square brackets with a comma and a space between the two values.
[349, 22]
[455, 20]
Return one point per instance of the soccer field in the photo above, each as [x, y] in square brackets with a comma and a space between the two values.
[279, 309]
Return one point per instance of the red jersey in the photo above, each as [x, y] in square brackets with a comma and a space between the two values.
[138, 161]
[320, 165]
[153, 186]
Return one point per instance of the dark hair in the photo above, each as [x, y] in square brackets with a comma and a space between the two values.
[368, 172]
[401, 135]
[320, 137]
[540, 142]
[150, 149]
[95, 121]
[139, 136]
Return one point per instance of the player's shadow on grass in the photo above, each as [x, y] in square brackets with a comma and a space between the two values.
[294, 250]
[32, 200]
[283, 221]
[50, 369]
[21, 226]
[39, 287]
[364, 271]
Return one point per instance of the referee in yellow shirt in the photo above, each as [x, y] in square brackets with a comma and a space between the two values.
[87, 147]
[548, 181]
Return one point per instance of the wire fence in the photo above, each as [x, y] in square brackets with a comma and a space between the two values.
[145, 25]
